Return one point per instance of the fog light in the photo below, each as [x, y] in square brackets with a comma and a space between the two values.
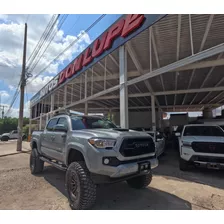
[106, 161]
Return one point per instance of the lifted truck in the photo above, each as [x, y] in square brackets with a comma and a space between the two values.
[201, 145]
[92, 151]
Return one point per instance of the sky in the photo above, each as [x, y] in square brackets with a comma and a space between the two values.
[11, 49]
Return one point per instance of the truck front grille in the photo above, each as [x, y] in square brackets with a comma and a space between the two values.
[208, 147]
[137, 146]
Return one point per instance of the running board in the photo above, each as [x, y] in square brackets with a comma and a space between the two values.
[55, 164]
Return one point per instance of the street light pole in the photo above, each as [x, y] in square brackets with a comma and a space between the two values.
[22, 88]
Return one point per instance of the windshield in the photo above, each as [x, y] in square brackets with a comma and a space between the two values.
[203, 131]
[79, 122]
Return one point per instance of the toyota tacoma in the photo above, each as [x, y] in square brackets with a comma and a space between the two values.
[92, 151]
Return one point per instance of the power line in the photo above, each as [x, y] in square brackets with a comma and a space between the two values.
[35, 51]
[86, 31]
[74, 24]
[43, 41]
[51, 37]
[33, 54]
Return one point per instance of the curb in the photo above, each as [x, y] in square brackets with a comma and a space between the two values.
[10, 154]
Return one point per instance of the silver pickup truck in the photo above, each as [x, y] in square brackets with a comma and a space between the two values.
[92, 151]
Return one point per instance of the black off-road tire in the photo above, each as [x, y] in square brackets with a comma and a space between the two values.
[80, 187]
[183, 165]
[36, 164]
[140, 181]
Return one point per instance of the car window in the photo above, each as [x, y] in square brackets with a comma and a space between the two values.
[203, 131]
[90, 123]
[216, 131]
[63, 121]
[51, 124]
[14, 132]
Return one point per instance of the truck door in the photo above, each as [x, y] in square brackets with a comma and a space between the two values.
[59, 140]
[47, 147]
[14, 135]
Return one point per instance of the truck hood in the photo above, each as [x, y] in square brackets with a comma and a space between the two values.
[5, 134]
[113, 133]
[191, 139]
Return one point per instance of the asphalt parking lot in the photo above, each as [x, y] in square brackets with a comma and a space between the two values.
[170, 189]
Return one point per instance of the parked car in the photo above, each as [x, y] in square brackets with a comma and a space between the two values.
[201, 145]
[92, 151]
[159, 140]
[11, 135]
[175, 140]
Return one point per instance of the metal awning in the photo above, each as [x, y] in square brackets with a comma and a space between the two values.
[179, 60]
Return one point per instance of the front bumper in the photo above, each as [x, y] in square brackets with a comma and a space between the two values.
[131, 168]
[123, 172]
[210, 162]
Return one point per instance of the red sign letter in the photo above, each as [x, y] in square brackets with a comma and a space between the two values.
[78, 63]
[98, 46]
[61, 78]
[69, 71]
[113, 33]
[87, 57]
[132, 22]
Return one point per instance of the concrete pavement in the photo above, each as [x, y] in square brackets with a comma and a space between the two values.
[9, 147]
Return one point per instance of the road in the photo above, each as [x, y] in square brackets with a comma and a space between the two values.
[170, 188]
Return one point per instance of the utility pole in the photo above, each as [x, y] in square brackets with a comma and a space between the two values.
[22, 88]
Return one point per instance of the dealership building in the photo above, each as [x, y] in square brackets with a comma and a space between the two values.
[141, 67]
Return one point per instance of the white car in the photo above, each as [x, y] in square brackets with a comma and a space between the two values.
[10, 135]
[159, 141]
[201, 145]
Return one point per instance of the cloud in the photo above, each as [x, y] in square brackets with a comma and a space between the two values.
[38, 83]
[4, 94]
[11, 87]
[11, 48]
[14, 112]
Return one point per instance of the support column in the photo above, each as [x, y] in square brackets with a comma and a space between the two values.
[35, 111]
[123, 87]
[160, 115]
[52, 104]
[153, 113]
[207, 113]
[86, 103]
[40, 124]
[65, 96]
[110, 111]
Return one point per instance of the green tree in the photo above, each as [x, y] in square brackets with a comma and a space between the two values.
[9, 124]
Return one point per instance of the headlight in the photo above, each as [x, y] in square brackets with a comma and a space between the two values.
[102, 143]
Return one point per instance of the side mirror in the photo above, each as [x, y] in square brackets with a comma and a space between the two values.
[177, 134]
[60, 127]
